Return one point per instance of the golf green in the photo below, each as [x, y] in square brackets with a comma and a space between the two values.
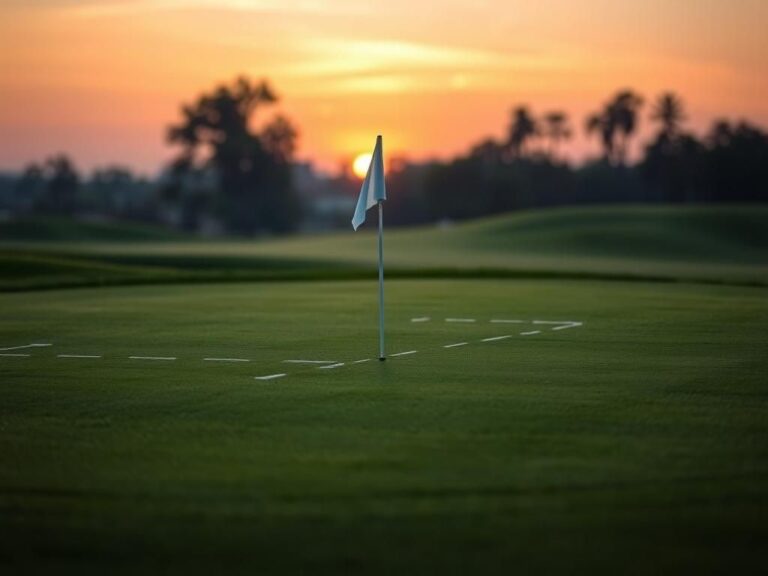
[633, 441]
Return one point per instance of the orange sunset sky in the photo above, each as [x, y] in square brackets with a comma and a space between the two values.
[101, 79]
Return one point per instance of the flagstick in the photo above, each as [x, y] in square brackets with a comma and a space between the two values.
[381, 282]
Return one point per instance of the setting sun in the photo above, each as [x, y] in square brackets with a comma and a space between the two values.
[360, 165]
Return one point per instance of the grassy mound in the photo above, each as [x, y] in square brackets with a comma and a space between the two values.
[710, 244]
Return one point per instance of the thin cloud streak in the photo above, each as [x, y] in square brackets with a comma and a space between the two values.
[112, 8]
[337, 57]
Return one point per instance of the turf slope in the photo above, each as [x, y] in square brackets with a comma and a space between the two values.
[711, 243]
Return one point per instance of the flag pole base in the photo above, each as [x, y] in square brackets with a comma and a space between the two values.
[382, 359]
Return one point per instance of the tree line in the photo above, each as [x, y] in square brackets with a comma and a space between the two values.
[227, 171]
[234, 168]
[56, 187]
[729, 163]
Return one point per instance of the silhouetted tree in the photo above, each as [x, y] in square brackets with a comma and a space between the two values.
[616, 123]
[522, 129]
[736, 166]
[721, 134]
[602, 124]
[556, 130]
[62, 185]
[253, 168]
[669, 112]
[116, 191]
[673, 168]
[625, 108]
[488, 151]
[279, 139]
[30, 187]
[672, 160]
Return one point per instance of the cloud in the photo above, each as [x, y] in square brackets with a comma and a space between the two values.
[112, 8]
[332, 56]
[344, 65]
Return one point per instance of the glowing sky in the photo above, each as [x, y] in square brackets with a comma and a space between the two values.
[101, 79]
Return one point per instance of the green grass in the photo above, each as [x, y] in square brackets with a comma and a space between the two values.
[60, 229]
[707, 244]
[633, 444]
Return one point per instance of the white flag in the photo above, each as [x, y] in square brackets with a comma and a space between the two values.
[373, 188]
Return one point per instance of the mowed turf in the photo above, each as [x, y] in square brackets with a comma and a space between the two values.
[634, 443]
[703, 243]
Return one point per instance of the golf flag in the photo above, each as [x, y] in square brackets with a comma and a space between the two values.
[373, 189]
[372, 193]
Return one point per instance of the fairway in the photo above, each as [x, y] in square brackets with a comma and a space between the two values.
[634, 441]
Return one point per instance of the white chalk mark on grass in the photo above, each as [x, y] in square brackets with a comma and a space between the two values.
[152, 357]
[421, 319]
[226, 359]
[461, 320]
[503, 321]
[77, 356]
[571, 325]
[309, 361]
[361, 361]
[16, 355]
[560, 324]
[531, 333]
[405, 353]
[456, 345]
[331, 366]
[269, 377]
[495, 338]
[26, 346]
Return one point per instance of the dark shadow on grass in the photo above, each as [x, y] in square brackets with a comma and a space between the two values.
[38, 270]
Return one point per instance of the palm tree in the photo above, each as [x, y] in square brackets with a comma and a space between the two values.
[624, 108]
[557, 129]
[521, 130]
[669, 112]
[602, 124]
[616, 123]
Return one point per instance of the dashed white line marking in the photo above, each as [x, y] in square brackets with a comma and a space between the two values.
[26, 346]
[269, 377]
[330, 366]
[16, 355]
[152, 357]
[503, 321]
[226, 359]
[456, 345]
[361, 361]
[77, 356]
[405, 353]
[560, 324]
[421, 319]
[494, 338]
[465, 320]
[571, 325]
[309, 361]
[531, 333]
